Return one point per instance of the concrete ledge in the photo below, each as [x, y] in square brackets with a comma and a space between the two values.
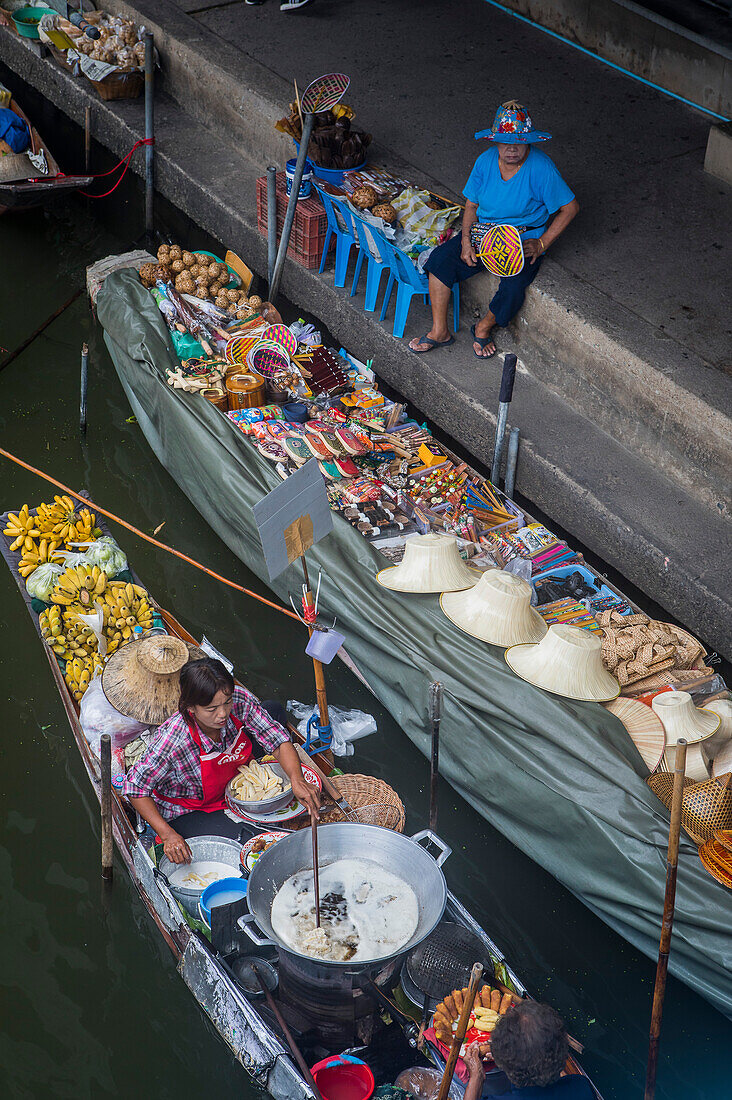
[665, 540]
[718, 158]
[642, 42]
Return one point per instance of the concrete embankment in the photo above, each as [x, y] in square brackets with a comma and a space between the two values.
[625, 429]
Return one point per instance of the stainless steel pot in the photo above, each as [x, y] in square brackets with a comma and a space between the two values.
[403, 856]
[204, 849]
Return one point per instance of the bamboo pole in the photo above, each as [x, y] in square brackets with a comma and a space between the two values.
[106, 782]
[435, 718]
[84, 384]
[37, 332]
[669, 901]
[149, 134]
[320, 691]
[459, 1036]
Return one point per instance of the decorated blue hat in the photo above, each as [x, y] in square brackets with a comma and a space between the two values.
[512, 126]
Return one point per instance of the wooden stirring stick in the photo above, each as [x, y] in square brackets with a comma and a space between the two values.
[316, 883]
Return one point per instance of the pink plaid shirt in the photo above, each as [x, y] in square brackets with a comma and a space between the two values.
[171, 764]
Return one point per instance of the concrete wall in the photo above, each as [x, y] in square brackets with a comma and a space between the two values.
[642, 42]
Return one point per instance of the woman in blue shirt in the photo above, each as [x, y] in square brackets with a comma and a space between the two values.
[511, 184]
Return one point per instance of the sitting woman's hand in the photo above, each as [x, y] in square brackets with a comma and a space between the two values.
[305, 793]
[176, 848]
[467, 253]
[474, 1063]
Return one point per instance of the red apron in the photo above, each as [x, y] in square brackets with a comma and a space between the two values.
[217, 768]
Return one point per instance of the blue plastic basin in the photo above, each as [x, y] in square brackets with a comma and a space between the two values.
[226, 890]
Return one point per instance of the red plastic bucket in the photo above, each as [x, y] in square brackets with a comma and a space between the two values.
[343, 1078]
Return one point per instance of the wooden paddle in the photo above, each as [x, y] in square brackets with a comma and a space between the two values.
[459, 1036]
[238, 265]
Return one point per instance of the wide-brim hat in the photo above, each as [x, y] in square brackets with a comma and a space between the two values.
[512, 126]
[682, 719]
[431, 563]
[496, 610]
[644, 727]
[142, 679]
[567, 661]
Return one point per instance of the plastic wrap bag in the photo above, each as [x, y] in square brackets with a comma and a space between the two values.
[42, 579]
[423, 1083]
[348, 725]
[98, 716]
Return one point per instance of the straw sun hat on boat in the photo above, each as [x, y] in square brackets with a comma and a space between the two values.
[497, 610]
[567, 661]
[431, 563]
[682, 719]
[142, 681]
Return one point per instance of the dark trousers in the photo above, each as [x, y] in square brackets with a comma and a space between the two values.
[447, 265]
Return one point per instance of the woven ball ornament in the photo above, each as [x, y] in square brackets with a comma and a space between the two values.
[385, 211]
[364, 197]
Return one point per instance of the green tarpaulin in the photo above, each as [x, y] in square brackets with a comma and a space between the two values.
[561, 780]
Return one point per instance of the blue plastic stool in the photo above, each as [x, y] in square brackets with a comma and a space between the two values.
[409, 282]
[369, 238]
[340, 222]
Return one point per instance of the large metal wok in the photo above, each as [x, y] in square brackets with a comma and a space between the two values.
[403, 856]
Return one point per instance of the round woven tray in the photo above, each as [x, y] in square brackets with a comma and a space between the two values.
[374, 803]
[718, 861]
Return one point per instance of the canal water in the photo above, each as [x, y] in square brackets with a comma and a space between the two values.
[91, 1003]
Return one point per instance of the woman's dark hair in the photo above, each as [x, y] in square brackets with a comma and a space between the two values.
[530, 1044]
[199, 682]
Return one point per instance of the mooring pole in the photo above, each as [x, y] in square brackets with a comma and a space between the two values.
[435, 716]
[105, 758]
[84, 382]
[87, 139]
[511, 461]
[291, 208]
[504, 400]
[149, 132]
[669, 902]
[271, 223]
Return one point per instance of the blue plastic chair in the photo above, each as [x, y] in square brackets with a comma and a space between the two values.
[340, 222]
[368, 237]
[409, 282]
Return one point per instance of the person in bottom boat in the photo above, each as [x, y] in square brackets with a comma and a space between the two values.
[200, 748]
[530, 1045]
[514, 184]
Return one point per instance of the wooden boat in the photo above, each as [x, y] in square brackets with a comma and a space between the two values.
[22, 184]
[246, 1025]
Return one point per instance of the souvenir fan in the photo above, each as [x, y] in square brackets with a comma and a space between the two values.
[237, 350]
[499, 249]
[324, 93]
[281, 334]
[269, 360]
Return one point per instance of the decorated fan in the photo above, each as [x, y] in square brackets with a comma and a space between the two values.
[499, 248]
[281, 334]
[269, 360]
[324, 93]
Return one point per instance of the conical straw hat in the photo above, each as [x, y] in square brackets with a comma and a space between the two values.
[567, 661]
[497, 610]
[714, 744]
[682, 719]
[142, 679]
[431, 563]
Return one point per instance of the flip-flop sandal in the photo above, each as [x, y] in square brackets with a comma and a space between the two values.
[297, 451]
[347, 467]
[330, 471]
[351, 442]
[484, 341]
[432, 344]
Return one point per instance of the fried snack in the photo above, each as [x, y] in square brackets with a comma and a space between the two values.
[458, 997]
[496, 1000]
[506, 1002]
[489, 1006]
[451, 1007]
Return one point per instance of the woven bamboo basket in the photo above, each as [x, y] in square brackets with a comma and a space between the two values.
[717, 859]
[120, 85]
[374, 803]
[705, 807]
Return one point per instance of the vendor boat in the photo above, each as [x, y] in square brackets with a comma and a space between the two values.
[34, 177]
[588, 816]
[331, 1011]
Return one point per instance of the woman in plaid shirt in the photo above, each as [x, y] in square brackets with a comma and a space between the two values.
[200, 748]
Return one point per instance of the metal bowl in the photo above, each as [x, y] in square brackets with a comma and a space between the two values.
[264, 805]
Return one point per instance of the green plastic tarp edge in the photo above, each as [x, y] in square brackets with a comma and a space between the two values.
[560, 779]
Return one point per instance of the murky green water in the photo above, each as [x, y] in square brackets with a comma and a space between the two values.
[92, 1006]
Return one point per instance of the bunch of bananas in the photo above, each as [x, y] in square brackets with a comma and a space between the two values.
[67, 634]
[79, 584]
[22, 528]
[52, 629]
[61, 521]
[41, 553]
[79, 673]
[126, 606]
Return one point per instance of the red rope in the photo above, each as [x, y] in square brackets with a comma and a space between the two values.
[126, 161]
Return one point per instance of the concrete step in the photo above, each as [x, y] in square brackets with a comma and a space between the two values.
[663, 400]
[667, 541]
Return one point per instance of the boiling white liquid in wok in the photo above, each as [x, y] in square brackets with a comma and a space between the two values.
[365, 912]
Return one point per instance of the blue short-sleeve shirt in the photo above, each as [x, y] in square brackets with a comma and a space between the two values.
[529, 198]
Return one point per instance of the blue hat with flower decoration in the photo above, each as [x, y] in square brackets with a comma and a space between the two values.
[512, 126]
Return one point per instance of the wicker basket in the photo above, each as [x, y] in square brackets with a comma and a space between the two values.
[717, 858]
[120, 85]
[374, 803]
[705, 807]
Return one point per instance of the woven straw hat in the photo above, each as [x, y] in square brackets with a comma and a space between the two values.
[568, 662]
[497, 610]
[682, 719]
[714, 745]
[431, 563]
[142, 681]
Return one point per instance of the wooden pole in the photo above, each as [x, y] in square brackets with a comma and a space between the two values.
[435, 717]
[459, 1036]
[41, 328]
[106, 769]
[84, 384]
[87, 139]
[149, 133]
[669, 901]
[291, 207]
[320, 691]
[286, 1032]
[316, 881]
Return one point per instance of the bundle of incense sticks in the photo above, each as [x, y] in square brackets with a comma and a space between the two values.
[482, 500]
